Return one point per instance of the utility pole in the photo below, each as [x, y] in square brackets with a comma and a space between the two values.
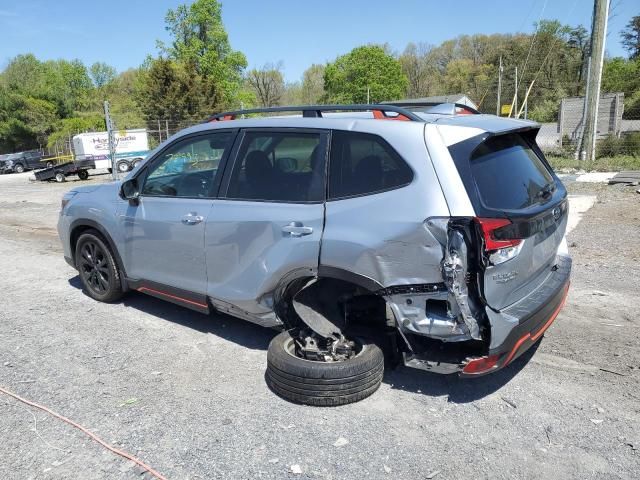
[498, 106]
[515, 96]
[112, 139]
[368, 95]
[594, 79]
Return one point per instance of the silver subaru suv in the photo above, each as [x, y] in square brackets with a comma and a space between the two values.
[368, 234]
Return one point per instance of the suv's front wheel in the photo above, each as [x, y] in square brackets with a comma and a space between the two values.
[98, 270]
[323, 383]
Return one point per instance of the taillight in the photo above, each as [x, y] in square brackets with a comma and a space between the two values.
[481, 365]
[495, 234]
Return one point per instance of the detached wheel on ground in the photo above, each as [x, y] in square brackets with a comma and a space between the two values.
[323, 383]
[97, 268]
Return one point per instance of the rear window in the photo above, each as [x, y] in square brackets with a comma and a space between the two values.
[509, 175]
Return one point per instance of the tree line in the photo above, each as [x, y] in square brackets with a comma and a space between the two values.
[198, 73]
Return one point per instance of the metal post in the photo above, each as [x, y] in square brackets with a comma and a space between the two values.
[498, 106]
[166, 124]
[515, 96]
[159, 132]
[112, 139]
[598, 38]
[368, 95]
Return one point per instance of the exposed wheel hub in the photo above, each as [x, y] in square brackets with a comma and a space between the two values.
[310, 346]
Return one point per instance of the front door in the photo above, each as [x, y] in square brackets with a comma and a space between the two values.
[164, 232]
[267, 228]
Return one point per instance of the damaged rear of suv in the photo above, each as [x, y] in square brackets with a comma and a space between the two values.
[434, 236]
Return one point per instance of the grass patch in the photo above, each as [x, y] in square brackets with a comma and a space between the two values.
[605, 164]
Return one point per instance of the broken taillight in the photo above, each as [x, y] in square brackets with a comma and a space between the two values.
[495, 234]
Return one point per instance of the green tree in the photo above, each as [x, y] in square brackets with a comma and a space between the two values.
[102, 74]
[367, 68]
[201, 41]
[68, 127]
[312, 85]
[631, 37]
[169, 90]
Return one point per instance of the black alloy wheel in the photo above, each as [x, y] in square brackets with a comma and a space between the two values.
[98, 271]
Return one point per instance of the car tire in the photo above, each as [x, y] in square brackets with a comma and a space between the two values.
[123, 167]
[97, 268]
[83, 174]
[60, 177]
[18, 168]
[49, 164]
[135, 163]
[323, 383]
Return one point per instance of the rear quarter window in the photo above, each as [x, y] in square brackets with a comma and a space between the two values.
[508, 173]
[363, 164]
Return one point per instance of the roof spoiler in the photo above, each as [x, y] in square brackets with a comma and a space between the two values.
[438, 108]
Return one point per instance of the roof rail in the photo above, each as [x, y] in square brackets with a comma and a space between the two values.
[438, 107]
[315, 111]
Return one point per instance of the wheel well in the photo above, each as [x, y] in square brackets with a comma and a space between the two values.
[75, 235]
[361, 307]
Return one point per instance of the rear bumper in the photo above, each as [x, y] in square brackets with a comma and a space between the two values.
[534, 317]
[530, 318]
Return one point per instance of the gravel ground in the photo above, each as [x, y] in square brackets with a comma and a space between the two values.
[186, 393]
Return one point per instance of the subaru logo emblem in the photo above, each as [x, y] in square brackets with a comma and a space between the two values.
[556, 213]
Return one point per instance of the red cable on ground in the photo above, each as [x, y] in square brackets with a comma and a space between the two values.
[87, 432]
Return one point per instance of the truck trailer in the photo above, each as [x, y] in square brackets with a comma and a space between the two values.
[132, 146]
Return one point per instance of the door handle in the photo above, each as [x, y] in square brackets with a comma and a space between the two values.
[192, 219]
[297, 229]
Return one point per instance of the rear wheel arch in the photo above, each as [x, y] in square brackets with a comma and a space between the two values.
[353, 291]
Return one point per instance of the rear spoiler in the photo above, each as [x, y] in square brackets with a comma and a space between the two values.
[436, 108]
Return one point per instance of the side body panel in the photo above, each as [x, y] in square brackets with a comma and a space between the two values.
[249, 255]
[384, 236]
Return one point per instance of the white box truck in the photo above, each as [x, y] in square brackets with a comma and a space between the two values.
[132, 146]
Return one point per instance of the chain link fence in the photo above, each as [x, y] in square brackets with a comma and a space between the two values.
[618, 130]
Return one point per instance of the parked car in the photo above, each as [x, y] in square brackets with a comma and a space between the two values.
[22, 161]
[438, 239]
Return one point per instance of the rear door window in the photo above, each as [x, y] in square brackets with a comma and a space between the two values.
[362, 164]
[508, 173]
[280, 167]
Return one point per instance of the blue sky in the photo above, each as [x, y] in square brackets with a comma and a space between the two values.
[123, 32]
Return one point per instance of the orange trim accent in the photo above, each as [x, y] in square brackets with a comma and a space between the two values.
[225, 117]
[538, 334]
[380, 115]
[515, 348]
[143, 289]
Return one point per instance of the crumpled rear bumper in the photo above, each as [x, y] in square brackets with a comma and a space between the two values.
[534, 314]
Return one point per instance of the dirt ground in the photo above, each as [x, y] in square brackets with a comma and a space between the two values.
[186, 393]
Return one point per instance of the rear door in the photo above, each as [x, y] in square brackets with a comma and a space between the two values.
[522, 208]
[268, 226]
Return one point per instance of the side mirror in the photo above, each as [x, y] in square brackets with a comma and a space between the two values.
[129, 191]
